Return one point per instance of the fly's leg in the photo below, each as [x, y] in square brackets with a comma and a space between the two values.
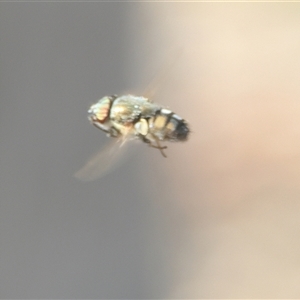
[160, 148]
[157, 146]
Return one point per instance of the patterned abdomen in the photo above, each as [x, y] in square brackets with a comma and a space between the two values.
[166, 125]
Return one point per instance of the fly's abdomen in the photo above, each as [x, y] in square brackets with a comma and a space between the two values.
[166, 125]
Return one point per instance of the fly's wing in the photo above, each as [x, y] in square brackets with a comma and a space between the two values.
[104, 161]
[162, 75]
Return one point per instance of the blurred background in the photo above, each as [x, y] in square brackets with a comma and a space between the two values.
[219, 218]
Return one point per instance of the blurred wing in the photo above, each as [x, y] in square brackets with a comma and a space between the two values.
[104, 161]
[163, 74]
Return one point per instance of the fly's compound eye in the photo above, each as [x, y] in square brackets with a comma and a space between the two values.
[99, 112]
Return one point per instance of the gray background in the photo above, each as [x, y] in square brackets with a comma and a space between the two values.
[219, 217]
[61, 237]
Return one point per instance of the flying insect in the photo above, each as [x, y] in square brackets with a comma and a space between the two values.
[131, 116]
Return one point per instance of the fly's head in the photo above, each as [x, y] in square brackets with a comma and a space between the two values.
[99, 113]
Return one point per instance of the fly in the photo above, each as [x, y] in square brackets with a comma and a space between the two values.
[129, 116]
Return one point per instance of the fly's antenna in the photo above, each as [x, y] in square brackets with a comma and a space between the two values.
[161, 77]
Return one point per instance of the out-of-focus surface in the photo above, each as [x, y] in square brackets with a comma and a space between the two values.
[219, 217]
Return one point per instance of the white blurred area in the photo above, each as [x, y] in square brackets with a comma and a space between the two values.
[231, 194]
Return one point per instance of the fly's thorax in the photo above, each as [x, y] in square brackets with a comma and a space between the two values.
[129, 109]
[166, 125]
[124, 110]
